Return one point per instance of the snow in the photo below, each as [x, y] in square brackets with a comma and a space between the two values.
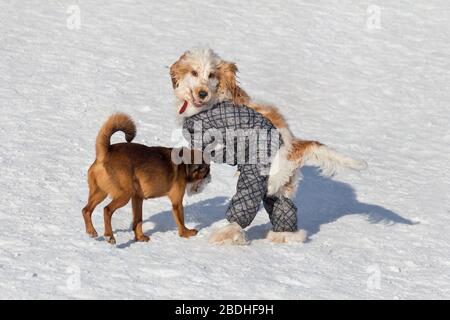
[379, 94]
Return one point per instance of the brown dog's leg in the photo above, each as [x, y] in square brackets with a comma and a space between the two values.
[107, 214]
[139, 235]
[178, 215]
[176, 196]
[95, 197]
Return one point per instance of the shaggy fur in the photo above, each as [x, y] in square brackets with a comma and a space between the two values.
[202, 70]
[285, 237]
[232, 233]
[200, 78]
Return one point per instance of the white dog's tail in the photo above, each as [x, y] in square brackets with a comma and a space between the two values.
[330, 161]
[290, 158]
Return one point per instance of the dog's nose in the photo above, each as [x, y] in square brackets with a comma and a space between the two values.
[202, 94]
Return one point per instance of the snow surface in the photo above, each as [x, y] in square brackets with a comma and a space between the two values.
[377, 94]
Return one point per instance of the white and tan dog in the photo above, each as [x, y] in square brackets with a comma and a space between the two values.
[200, 78]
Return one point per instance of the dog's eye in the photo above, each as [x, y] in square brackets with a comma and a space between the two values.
[194, 73]
[211, 75]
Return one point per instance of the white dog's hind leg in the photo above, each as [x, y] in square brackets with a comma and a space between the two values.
[287, 237]
[281, 171]
[230, 234]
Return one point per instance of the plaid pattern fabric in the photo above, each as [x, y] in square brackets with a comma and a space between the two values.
[282, 213]
[225, 116]
[251, 188]
[250, 191]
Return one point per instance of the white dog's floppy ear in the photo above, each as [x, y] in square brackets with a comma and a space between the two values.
[226, 74]
[228, 84]
[178, 70]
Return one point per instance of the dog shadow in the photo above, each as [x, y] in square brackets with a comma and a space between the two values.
[321, 200]
[200, 214]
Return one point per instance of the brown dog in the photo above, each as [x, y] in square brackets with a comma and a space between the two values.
[133, 171]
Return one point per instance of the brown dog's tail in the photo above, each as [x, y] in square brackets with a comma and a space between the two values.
[116, 122]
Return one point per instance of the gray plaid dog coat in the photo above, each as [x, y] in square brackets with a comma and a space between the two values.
[202, 130]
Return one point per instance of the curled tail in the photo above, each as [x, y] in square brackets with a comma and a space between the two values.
[116, 122]
[327, 159]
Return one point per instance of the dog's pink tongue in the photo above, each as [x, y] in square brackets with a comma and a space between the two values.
[183, 108]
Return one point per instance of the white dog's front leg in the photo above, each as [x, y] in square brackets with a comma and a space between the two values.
[230, 234]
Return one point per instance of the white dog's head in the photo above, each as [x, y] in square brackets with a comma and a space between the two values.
[200, 78]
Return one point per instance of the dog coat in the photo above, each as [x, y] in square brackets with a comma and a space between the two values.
[237, 127]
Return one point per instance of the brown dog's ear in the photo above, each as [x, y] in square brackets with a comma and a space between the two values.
[190, 168]
[193, 171]
[228, 82]
[196, 171]
[178, 70]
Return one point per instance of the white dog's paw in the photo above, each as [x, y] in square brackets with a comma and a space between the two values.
[230, 234]
[287, 237]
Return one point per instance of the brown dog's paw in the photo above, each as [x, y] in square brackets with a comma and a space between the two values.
[187, 233]
[92, 233]
[110, 239]
[142, 238]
